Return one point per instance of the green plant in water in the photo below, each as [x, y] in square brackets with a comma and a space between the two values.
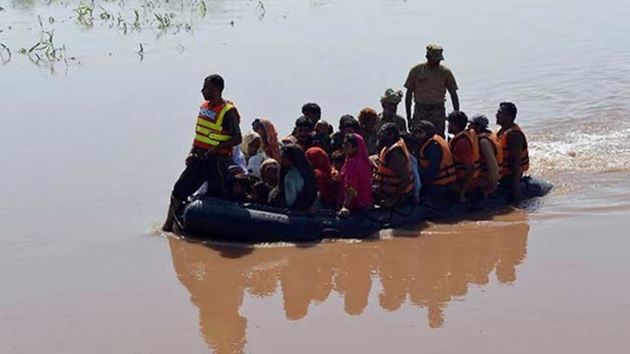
[105, 15]
[45, 49]
[85, 14]
[203, 9]
[164, 20]
[5, 54]
[136, 19]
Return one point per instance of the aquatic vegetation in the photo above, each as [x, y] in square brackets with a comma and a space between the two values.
[85, 14]
[45, 52]
[45, 49]
[260, 8]
[5, 54]
[141, 52]
[128, 17]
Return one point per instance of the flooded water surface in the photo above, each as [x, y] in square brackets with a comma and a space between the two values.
[98, 101]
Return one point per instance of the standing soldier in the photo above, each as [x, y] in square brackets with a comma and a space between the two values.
[216, 133]
[427, 84]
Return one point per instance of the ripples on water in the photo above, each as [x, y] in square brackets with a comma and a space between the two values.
[100, 141]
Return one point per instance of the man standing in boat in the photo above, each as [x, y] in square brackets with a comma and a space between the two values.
[426, 85]
[216, 133]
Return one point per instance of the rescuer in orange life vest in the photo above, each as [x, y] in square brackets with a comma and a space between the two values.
[394, 175]
[437, 171]
[465, 149]
[514, 145]
[490, 155]
[216, 133]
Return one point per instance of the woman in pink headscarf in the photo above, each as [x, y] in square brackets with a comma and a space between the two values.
[356, 176]
[269, 135]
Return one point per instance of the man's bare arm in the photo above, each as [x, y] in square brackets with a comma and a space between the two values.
[454, 98]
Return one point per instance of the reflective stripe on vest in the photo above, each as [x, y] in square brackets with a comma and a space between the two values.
[471, 136]
[387, 179]
[209, 130]
[446, 172]
[498, 153]
[503, 136]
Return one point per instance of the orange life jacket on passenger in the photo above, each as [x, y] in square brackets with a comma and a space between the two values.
[498, 153]
[209, 130]
[387, 179]
[471, 136]
[446, 172]
[503, 138]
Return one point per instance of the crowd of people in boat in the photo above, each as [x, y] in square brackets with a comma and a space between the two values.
[374, 159]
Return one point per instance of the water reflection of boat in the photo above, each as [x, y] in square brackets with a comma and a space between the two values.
[220, 219]
[428, 272]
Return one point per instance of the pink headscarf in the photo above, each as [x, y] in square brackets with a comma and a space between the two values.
[357, 173]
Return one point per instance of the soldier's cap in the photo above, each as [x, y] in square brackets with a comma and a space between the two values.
[392, 96]
[481, 120]
[435, 50]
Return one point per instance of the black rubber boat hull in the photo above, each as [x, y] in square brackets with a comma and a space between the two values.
[217, 219]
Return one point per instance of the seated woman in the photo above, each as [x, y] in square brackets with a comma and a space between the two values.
[356, 186]
[239, 188]
[326, 186]
[254, 155]
[269, 136]
[269, 173]
[297, 187]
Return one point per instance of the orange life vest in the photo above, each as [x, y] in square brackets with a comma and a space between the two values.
[498, 153]
[387, 179]
[471, 136]
[446, 172]
[209, 130]
[503, 136]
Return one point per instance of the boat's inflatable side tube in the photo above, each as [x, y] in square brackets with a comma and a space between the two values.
[212, 218]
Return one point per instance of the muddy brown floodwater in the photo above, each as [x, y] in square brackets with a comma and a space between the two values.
[97, 119]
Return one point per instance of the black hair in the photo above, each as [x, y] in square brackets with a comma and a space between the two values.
[336, 141]
[459, 118]
[391, 129]
[242, 180]
[312, 107]
[257, 124]
[350, 122]
[413, 145]
[352, 139]
[321, 140]
[304, 122]
[214, 80]
[510, 108]
[427, 127]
